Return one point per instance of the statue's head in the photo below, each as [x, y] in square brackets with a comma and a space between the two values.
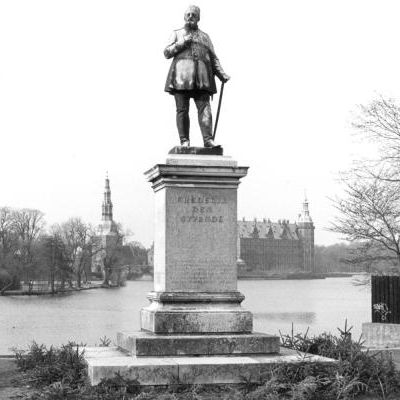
[192, 17]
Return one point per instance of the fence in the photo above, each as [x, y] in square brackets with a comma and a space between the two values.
[385, 298]
[42, 286]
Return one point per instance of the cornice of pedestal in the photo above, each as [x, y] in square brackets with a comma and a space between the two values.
[210, 171]
[196, 297]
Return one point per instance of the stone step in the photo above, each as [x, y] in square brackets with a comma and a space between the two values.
[196, 318]
[105, 362]
[150, 344]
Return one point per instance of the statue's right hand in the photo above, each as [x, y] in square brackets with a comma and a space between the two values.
[184, 42]
[188, 39]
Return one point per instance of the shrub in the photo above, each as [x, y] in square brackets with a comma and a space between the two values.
[8, 281]
[60, 373]
[357, 371]
[64, 365]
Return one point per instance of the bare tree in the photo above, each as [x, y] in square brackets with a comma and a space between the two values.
[379, 122]
[78, 240]
[369, 214]
[54, 260]
[28, 224]
[19, 231]
[9, 271]
[338, 257]
[7, 235]
[369, 211]
[110, 254]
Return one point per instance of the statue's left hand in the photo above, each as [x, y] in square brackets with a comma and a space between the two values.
[225, 78]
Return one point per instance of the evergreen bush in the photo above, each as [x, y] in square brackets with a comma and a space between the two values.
[60, 373]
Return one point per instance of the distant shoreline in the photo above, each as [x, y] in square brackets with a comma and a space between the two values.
[49, 292]
[283, 276]
[301, 275]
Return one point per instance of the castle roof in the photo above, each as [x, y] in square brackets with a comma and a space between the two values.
[268, 229]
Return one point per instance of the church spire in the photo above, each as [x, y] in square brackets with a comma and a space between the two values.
[106, 209]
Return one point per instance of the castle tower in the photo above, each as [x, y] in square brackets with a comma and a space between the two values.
[107, 206]
[107, 232]
[306, 233]
[107, 226]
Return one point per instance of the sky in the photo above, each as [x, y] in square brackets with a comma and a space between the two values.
[82, 93]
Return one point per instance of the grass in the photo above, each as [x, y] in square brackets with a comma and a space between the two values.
[60, 373]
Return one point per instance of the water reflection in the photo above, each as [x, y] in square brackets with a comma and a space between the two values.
[295, 317]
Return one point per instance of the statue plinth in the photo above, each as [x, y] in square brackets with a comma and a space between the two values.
[208, 151]
[195, 273]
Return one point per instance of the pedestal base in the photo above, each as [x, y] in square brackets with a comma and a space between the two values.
[145, 344]
[196, 312]
[193, 318]
[105, 362]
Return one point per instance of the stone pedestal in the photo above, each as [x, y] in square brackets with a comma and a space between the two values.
[195, 277]
[195, 329]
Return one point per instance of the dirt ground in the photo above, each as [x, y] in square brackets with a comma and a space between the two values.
[10, 388]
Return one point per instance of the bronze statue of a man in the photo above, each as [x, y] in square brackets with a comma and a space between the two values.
[191, 75]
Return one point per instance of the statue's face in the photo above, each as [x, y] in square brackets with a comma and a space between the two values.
[192, 17]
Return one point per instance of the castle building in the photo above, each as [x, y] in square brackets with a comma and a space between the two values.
[266, 248]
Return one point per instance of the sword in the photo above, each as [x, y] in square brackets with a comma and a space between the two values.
[219, 109]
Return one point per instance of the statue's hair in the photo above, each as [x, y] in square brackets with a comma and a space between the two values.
[195, 8]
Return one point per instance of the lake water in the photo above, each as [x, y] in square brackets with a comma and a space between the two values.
[322, 305]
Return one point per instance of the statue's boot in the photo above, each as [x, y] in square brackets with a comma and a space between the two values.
[211, 143]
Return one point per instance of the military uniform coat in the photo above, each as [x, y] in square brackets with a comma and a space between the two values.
[194, 65]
